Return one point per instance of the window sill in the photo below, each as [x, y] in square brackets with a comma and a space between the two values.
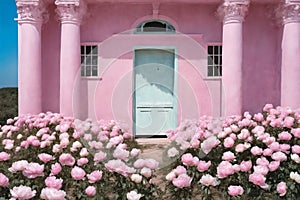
[91, 78]
[213, 78]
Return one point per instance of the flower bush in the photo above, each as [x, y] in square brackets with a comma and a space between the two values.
[48, 156]
[249, 156]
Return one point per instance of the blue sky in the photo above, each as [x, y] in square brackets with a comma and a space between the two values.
[8, 44]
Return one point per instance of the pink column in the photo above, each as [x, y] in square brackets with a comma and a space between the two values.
[70, 13]
[232, 12]
[30, 18]
[290, 68]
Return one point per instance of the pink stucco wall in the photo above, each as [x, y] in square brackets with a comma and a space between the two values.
[100, 97]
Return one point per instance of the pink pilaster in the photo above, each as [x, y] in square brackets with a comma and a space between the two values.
[232, 12]
[70, 13]
[290, 68]
[30, 17]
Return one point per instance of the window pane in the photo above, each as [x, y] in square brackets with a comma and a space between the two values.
[220, 69]
[210, 60]
[88, 60]
[88, 49]
[82, 59]
[95, 50]
[220, 52]
[216, 49]
[216, 71]
[216, 60]
[82, 50]
[95, 60]
[210, 71]
[210, 50]
[88, 71]
[220, 60]
[94, 71]
[82, 70]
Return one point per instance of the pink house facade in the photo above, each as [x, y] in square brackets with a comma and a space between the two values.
[155, 63]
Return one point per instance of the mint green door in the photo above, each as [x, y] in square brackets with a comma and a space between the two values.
[154, 105]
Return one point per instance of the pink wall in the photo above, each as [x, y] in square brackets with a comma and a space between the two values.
[261, 66]
[99, 98]
[50, 63]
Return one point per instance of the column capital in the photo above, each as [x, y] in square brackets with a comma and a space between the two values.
[288, 12]
[31, 11]
[70, 11]
[233, 11]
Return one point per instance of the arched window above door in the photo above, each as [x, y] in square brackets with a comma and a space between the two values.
[155, 26]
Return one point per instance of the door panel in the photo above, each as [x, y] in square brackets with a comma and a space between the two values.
[154, 91]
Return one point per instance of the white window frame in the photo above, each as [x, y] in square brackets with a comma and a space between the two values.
[92, 64]
[211, 60]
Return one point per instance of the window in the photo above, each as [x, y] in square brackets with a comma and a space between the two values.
[214, 60]
[155, 26]
[89, 60]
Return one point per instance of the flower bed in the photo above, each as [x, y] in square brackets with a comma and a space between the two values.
[241, 156]
[48, 156]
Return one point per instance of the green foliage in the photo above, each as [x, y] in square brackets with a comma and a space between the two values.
[8, 104]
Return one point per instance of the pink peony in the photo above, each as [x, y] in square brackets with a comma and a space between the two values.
[33, 170]
[208, 180]
[267, 152]
[4, 181]
[256, 150]
[296, 149]
[258, 117]
[262, 161]
[52, 194]
[187, 159]
[228, 142]
[203, 166]
[172, 152]
[44, 157]
[4, 156]
[100, 156]
[273, 166]
[135, 152]
[53, 182]
[170, 176]
[284, 136]
[136, 178]
[180, 170]
[228, 156]
[55, 169]
[208, 144]
[146, 172]
[18, 166]
[275, 146]
[119, 167]
[82, 161]
[183, 180]
[245, 166]
[258, 179]
[139, 163]
[281, 188]
[151, 163]
[225, 169]
[77, 173]
[95, 176]
[279, 156]
[67, 159]
[296, 132]
[288, 122]
[244, 134]
[90, 191]
[22, 192]
[261, 169]
[234, 190]
[121, 154]
[133, 195]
